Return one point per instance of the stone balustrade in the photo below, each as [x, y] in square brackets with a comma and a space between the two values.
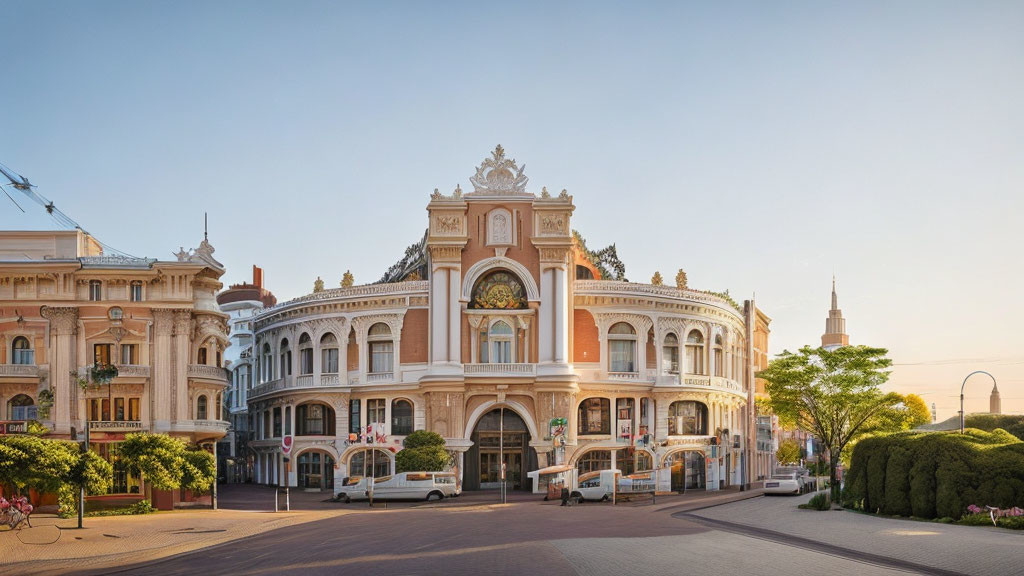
[501, 369]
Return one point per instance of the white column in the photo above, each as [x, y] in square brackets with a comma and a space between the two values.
[439, 315]
[546, 317]
[561, 299]
[454, 316]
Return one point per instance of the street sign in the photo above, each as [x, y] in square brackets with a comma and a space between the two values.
[286, 444]
[13, 427]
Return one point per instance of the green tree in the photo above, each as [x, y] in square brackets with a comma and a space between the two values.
[835, 395]
[918, 413]
[54, 466]
[167, 463]
[788, 452]
[422, 451]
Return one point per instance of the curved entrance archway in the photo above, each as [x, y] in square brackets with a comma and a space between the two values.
[500, 436]
[315, 470]
[688, 469]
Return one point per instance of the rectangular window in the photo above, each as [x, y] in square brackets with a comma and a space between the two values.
[134, 412]
[277, 422]
[95, 291]
[306, 361]
[483, 348]
[381, 357]
[719, 363]
[119, 409]
[130, 354]
[136, 292]
[101, 354]
[624, 417]
[353, 417]
[622, 354]
[287, 420]
[670, 359]
[329, 361]
[594, 416]
[375, 411]
[24, 356]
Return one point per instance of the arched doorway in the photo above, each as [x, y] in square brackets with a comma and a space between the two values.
[316, 470]
[687, 468]
[500, 435]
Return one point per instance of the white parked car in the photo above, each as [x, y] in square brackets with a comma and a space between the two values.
[784, 483]
[401, 486]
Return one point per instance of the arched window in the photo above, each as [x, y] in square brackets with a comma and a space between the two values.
[305, 354]
[201, 359]
[328, 354]
[719, 357]
[695, 352]
[499, 290]
[497, 345]
[622, 348]
[594, 417]
[583, 273]
[381, 349]
[401, 418]
[363, 463]
[686, 417]
[267, 369]
[594, 461]
[95, 290]
[286, 359]
[21, 407]
[22, 351]
[314, 420]
[670, 354]
[201, 408]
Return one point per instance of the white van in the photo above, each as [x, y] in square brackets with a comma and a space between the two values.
[401, 486]
[597, 485]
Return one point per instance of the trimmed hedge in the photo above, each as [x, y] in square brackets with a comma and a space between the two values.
[935, 474]
[989, 422]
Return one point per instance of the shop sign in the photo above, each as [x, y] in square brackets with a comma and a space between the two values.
[13, 427]
[115, 426]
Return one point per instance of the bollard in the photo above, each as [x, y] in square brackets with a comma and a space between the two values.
[275, 499]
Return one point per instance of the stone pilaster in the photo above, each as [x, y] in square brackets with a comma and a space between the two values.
[63, 330]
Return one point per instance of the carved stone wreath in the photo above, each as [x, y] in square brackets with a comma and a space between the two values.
[498, 175]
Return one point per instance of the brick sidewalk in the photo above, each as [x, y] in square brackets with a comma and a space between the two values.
[55, 545]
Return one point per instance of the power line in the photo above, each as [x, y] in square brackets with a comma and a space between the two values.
[21, 184]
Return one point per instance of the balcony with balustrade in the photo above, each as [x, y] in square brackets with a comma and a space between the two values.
[214, 374]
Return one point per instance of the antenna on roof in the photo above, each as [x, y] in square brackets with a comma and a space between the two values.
[205, 229]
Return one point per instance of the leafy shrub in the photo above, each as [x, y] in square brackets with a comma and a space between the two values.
[935, 474]
[140, 507]
[422, 451]
[990, 422]
[819, 502]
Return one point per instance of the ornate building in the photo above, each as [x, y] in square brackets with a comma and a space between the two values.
[835, 326]
[515, 347]
[995, 405]
[67, 312]
[241, 302]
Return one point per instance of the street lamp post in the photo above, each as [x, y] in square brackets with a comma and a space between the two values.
[962, 394]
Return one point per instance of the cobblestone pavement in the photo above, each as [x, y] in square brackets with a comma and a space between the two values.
[945, 548]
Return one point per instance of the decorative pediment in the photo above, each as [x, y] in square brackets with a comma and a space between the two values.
[499, 176]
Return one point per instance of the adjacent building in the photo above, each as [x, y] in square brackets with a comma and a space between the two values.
[241, 302]
[68, 312]
[504, 334]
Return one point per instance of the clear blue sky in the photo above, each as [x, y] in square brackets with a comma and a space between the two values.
[760, 146]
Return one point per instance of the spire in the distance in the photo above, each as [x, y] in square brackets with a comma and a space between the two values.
[835, 325]
[995, 405]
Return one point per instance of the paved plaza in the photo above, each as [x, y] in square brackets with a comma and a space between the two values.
[721, 533]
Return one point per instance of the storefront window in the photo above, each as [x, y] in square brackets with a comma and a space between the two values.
[594, 460]
[594, 416]
[362, 463]
[687, 418]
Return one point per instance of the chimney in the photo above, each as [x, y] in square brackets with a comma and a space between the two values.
[257, 276]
